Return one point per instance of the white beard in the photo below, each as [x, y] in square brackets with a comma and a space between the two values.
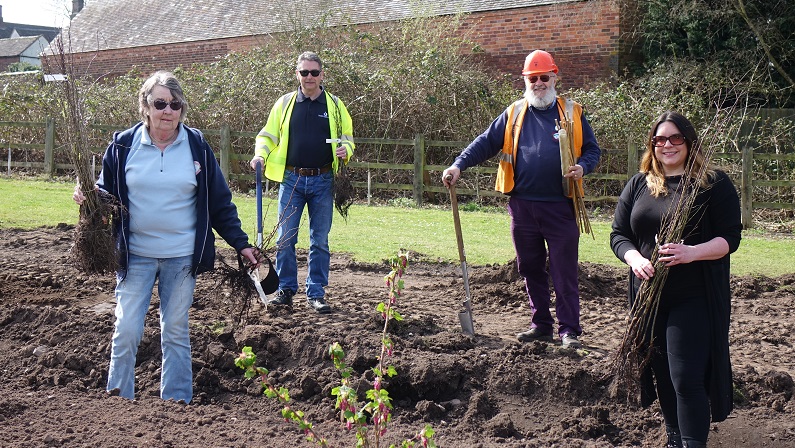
[543, 101]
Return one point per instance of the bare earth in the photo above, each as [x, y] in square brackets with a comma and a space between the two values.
[483, 391]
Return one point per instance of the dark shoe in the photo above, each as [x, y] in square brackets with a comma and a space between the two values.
[534, 334]
[569, 340]
[282, 297]
[319, 304]
[693, 444]
[674, 437]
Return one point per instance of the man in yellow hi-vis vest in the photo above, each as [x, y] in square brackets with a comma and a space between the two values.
[542, 217]
[308, 136]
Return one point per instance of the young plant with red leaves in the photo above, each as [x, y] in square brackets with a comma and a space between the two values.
[378, 408]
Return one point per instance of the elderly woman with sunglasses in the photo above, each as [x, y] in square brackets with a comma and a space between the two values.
[690, 336]
[173, 195]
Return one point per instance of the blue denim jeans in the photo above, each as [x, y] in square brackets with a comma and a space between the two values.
[133, 295]
[296, 192]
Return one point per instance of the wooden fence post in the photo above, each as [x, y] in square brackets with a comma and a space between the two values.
[477, 186]
[49, 148]
[632, 158]
[746, 188]
[419, 168]
[226, 148]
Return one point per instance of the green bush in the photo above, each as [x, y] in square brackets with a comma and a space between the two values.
[422, 76]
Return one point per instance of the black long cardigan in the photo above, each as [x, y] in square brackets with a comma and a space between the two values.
[716, 278]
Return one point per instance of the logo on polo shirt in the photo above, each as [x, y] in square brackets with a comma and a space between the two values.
[324, 115]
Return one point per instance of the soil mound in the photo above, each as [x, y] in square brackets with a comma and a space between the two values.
[484, 391]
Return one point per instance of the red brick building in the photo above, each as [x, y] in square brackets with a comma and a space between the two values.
[110, 37]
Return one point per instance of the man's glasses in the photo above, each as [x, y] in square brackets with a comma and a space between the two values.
[659, 140]
[306, 73]
[161, 104]
[533, 79]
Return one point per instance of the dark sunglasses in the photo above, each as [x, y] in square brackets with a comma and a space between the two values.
[161, 104]
[659, 140]
[533, 79]
[305, 73]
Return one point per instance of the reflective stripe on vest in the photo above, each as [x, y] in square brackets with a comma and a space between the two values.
[272, 141]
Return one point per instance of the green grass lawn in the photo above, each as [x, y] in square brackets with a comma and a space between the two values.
[371, 234]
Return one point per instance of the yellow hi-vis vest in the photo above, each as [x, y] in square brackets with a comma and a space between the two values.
[272, 141]
[513, 127]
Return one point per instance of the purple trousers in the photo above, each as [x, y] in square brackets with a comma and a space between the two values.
[537, 227]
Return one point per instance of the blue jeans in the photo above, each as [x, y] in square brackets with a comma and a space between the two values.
[133, 295]
[314, 192]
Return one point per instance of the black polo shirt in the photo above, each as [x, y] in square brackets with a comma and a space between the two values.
[309, 129]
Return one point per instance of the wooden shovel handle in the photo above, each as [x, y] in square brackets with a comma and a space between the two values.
[457, 223]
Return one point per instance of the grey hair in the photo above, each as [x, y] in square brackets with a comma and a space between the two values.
[309, 56]
[167, 80]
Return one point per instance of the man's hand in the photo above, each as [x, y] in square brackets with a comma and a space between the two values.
[575, 172]
[450, 176]
[255, 160]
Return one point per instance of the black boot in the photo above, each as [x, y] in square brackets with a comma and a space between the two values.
[674, 437]
[693, 444]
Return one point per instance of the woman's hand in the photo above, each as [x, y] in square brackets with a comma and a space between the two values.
[679, 253]
[252, 254]
[676, 253]
[641, 266]
[78, 195]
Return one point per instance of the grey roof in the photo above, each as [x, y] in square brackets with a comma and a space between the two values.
[8, 28]
[15, 46]
[110, 24]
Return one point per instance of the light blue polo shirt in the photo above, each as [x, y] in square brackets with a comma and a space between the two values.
[162, 191]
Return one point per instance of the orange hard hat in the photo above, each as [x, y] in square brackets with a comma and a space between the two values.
[539, 61]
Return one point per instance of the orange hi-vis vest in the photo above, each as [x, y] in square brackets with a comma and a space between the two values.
[513, 127]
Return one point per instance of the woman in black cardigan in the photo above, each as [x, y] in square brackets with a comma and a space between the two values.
[690, 364]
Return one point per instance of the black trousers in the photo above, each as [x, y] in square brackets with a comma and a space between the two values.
[679, 363]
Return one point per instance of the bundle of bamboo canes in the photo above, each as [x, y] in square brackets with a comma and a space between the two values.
[567, 159]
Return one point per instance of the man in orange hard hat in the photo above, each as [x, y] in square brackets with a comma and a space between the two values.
[542, 216]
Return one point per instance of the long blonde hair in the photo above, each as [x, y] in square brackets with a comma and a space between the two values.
[694, 164]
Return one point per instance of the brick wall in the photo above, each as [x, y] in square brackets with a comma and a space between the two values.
[583, 37]
[6, 61]
[148, 59]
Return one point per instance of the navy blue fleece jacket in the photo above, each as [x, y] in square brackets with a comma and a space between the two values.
[214, 206]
